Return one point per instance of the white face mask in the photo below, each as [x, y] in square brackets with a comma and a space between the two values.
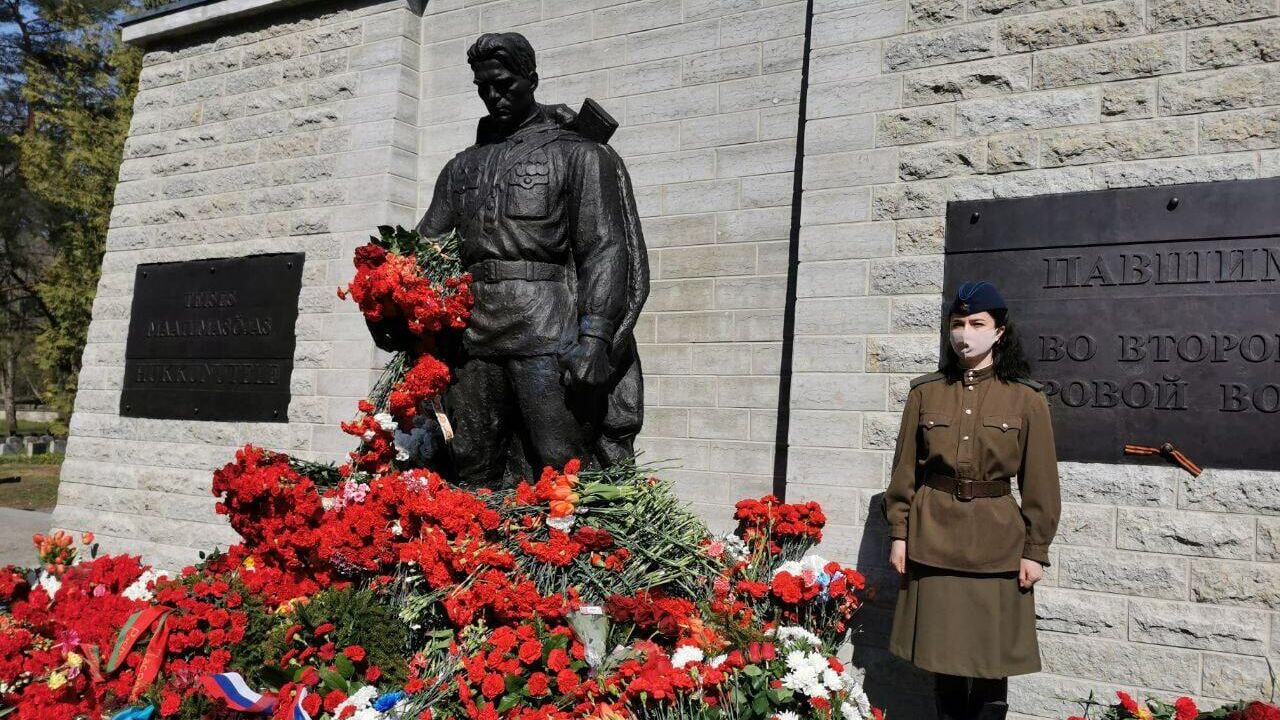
[970, 342]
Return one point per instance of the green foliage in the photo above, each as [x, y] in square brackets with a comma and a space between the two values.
[360, 617]
[644, 515]
[72, 107]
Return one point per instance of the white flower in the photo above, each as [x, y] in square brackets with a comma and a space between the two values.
[785, 715]
[686, 654]
[733, 547]
[396, 529]
[368, 435]
[401, 455]
[795, 632]
[853, 677]
[561, 523]
[387, 422]
[717, 661]
[359, 700]
[832, 680]
[849, 712]
[138, 590]
[790, 567]
[812, 563]
[50, 584]
[804, 673]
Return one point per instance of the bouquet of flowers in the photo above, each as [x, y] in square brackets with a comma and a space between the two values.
[375, 589]
[1184, 708]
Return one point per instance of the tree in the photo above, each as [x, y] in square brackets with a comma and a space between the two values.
[65, 107]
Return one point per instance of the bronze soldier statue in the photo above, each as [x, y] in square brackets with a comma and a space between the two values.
[547, 369]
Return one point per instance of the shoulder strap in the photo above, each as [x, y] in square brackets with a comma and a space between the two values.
[1037, 386]
[928, 378]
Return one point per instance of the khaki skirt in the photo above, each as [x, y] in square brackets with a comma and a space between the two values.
[971, 624]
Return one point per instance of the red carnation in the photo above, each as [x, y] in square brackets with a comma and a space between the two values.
[557, 660]
[1127, 702]
[492, 686]
[567, 681]
[530, 652]
[354, 653]
[333, 700]
[372, 673]
[170, 704]
[538, 684]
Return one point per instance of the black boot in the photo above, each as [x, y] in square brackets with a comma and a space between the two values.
[951, 697]
[988, 699]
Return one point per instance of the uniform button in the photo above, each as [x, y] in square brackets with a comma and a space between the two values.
[968, 387]
[1004, 425]
[967, 411]
[966, 437]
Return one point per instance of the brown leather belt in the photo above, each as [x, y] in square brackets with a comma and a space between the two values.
[499, 270]
[967, 489]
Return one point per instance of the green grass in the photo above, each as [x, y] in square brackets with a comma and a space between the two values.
[27, 427]
[37, 487]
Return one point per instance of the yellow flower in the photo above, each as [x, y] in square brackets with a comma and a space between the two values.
[248, 563]
[57, 680]
[74, 660]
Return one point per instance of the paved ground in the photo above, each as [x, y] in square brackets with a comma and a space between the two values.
[16, 529]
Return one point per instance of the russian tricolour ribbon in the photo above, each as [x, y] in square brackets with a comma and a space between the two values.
[231, 688]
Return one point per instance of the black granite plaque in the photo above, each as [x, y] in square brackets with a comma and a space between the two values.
[213, 339]
[1152, 314]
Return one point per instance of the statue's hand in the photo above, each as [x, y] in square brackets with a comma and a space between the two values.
[588, 362]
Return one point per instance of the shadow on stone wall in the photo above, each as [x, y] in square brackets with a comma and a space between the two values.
[897, 686]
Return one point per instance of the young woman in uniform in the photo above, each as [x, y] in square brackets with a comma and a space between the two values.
[969, 553]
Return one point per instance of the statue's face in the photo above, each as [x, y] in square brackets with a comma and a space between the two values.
[508, 96]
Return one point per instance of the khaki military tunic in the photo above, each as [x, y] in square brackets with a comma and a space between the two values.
[960, 610]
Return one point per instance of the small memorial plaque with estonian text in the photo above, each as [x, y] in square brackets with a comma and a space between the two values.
[213, 339]
[1152, 315]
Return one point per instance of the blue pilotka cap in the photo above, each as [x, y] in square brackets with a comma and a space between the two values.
[975, 297]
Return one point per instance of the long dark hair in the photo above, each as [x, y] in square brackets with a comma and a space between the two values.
[1010, 360]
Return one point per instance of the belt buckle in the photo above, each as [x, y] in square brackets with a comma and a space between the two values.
[964, 490]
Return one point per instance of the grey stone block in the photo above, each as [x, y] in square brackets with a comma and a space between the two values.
[950, 45]
[1171, 14]
[1244, 130]
[1149, 666]
[1213, 90]
[944, 159]
[1130, 141]
[1124, 573]
[924, 14]
[1081, 613]
[1235, 166]
[1203, 627]
[1186, 533]
[1027, 111]
[1120, 60]
[1072, 26]
[1226, 582]
[1239, 44]
[967, 81]
[904, 127]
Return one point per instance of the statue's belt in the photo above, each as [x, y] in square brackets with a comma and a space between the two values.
[530, 270]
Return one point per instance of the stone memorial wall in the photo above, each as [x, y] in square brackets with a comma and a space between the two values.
[273, 127]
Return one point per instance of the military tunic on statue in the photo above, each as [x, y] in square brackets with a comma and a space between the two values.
[542, 213]
[960, 610]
